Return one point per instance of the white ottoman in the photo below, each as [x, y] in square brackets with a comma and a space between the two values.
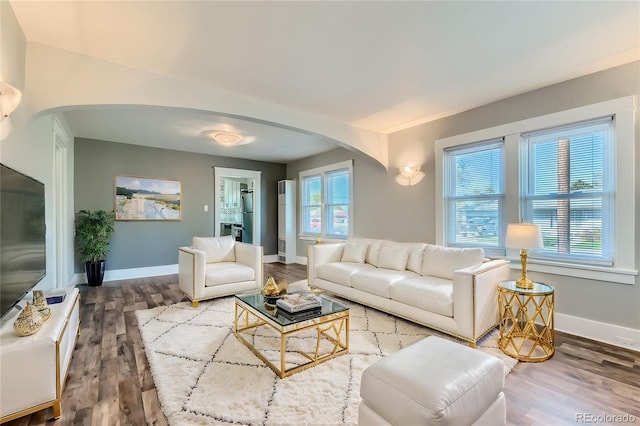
[433, 382]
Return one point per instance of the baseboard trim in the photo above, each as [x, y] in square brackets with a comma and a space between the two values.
[612, 334]
[131, 273]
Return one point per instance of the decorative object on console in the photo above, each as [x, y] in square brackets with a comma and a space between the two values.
[409, 175]
[40, 303]
[55, 296]
[93, 233]
[29, 321]
[523, 236]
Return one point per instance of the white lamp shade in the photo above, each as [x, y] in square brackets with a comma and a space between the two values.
[523, 236]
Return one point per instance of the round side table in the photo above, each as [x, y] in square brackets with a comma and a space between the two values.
[526, 321]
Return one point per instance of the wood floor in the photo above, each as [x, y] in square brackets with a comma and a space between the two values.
[109, 381]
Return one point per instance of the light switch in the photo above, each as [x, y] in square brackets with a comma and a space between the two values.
[206, 208]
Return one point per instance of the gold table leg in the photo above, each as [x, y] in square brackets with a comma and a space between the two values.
[331, 330]
[526, 325]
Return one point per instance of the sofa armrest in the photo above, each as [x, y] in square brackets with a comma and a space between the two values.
[475, 296]
[251, 256]
[191, 271]
[320, 254]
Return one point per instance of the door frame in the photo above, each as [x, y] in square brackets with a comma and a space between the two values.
[222, 172]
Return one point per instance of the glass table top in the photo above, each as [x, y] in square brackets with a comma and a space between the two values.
[538, 288]
[257, 302]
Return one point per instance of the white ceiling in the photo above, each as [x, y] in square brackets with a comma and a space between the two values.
[381, 66]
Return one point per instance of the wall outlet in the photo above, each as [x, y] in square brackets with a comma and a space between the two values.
[624, 342]
[206, 208]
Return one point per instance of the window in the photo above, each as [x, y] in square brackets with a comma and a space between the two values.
[567, 189]
[326, 201]
[572, 172]
[474, 193]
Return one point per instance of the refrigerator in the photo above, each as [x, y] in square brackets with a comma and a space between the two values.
[247, 216]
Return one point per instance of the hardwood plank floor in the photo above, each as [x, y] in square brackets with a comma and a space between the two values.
[109, 381]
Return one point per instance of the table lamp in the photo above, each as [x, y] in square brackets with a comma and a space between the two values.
[523, 236]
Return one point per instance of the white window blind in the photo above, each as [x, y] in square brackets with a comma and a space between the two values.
[568, 190]
[474, 195]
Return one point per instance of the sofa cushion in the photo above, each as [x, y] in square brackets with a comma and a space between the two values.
[227, 273]
[373, 247]
[340, 272]
[442, 262]
[217, 249]
[416, 254]
[378, 281]
[429, 293]
[355, 252]
[393, 257]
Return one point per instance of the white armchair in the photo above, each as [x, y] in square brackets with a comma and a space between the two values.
[218, 266]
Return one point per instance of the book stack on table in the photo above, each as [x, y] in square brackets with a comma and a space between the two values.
[299, 306]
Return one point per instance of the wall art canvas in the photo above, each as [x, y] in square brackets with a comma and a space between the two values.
[139, 198]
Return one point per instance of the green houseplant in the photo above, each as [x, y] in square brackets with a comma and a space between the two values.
[93, 235]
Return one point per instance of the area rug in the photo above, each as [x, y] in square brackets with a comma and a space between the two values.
[204, 375]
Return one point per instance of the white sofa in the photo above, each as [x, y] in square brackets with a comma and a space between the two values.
[448, 289]
[218, 266]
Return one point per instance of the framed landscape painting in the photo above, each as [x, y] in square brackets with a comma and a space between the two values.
[139, 198]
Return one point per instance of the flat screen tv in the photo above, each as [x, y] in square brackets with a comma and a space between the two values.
[22, 232]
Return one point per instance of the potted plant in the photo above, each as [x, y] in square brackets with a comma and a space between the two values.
[93, 233]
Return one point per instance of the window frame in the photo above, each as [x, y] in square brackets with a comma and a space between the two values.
[324, 172]
[607, 192]
[449, 197]
[624, 269]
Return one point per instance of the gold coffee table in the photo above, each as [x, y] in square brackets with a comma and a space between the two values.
[526, 321]
[330, 324]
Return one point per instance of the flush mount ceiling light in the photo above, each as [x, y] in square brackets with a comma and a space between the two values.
[225, 138]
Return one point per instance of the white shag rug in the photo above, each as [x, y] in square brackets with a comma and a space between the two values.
[204, 375]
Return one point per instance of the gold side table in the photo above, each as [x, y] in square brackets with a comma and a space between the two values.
[526, 321]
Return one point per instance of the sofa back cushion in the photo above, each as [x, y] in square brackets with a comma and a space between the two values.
[442, 261]
[373, 247]
[416, 254]
[355, 251]
[390, 257]
[217, 249]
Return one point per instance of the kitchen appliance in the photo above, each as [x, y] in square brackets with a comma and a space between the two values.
[247, 216]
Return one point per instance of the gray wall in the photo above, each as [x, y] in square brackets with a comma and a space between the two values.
[385, 209]
[151, 243]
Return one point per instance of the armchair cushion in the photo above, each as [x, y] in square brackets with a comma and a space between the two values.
[217, 249]
[227, 273]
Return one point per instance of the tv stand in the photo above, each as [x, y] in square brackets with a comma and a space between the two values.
[33, 368]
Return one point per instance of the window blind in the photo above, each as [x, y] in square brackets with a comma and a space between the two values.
[568, 190]
[474, 193]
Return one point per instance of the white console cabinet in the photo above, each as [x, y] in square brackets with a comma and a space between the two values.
[33, 368]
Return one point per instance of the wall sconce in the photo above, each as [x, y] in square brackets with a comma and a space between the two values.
[409, 175]
[9, 99]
